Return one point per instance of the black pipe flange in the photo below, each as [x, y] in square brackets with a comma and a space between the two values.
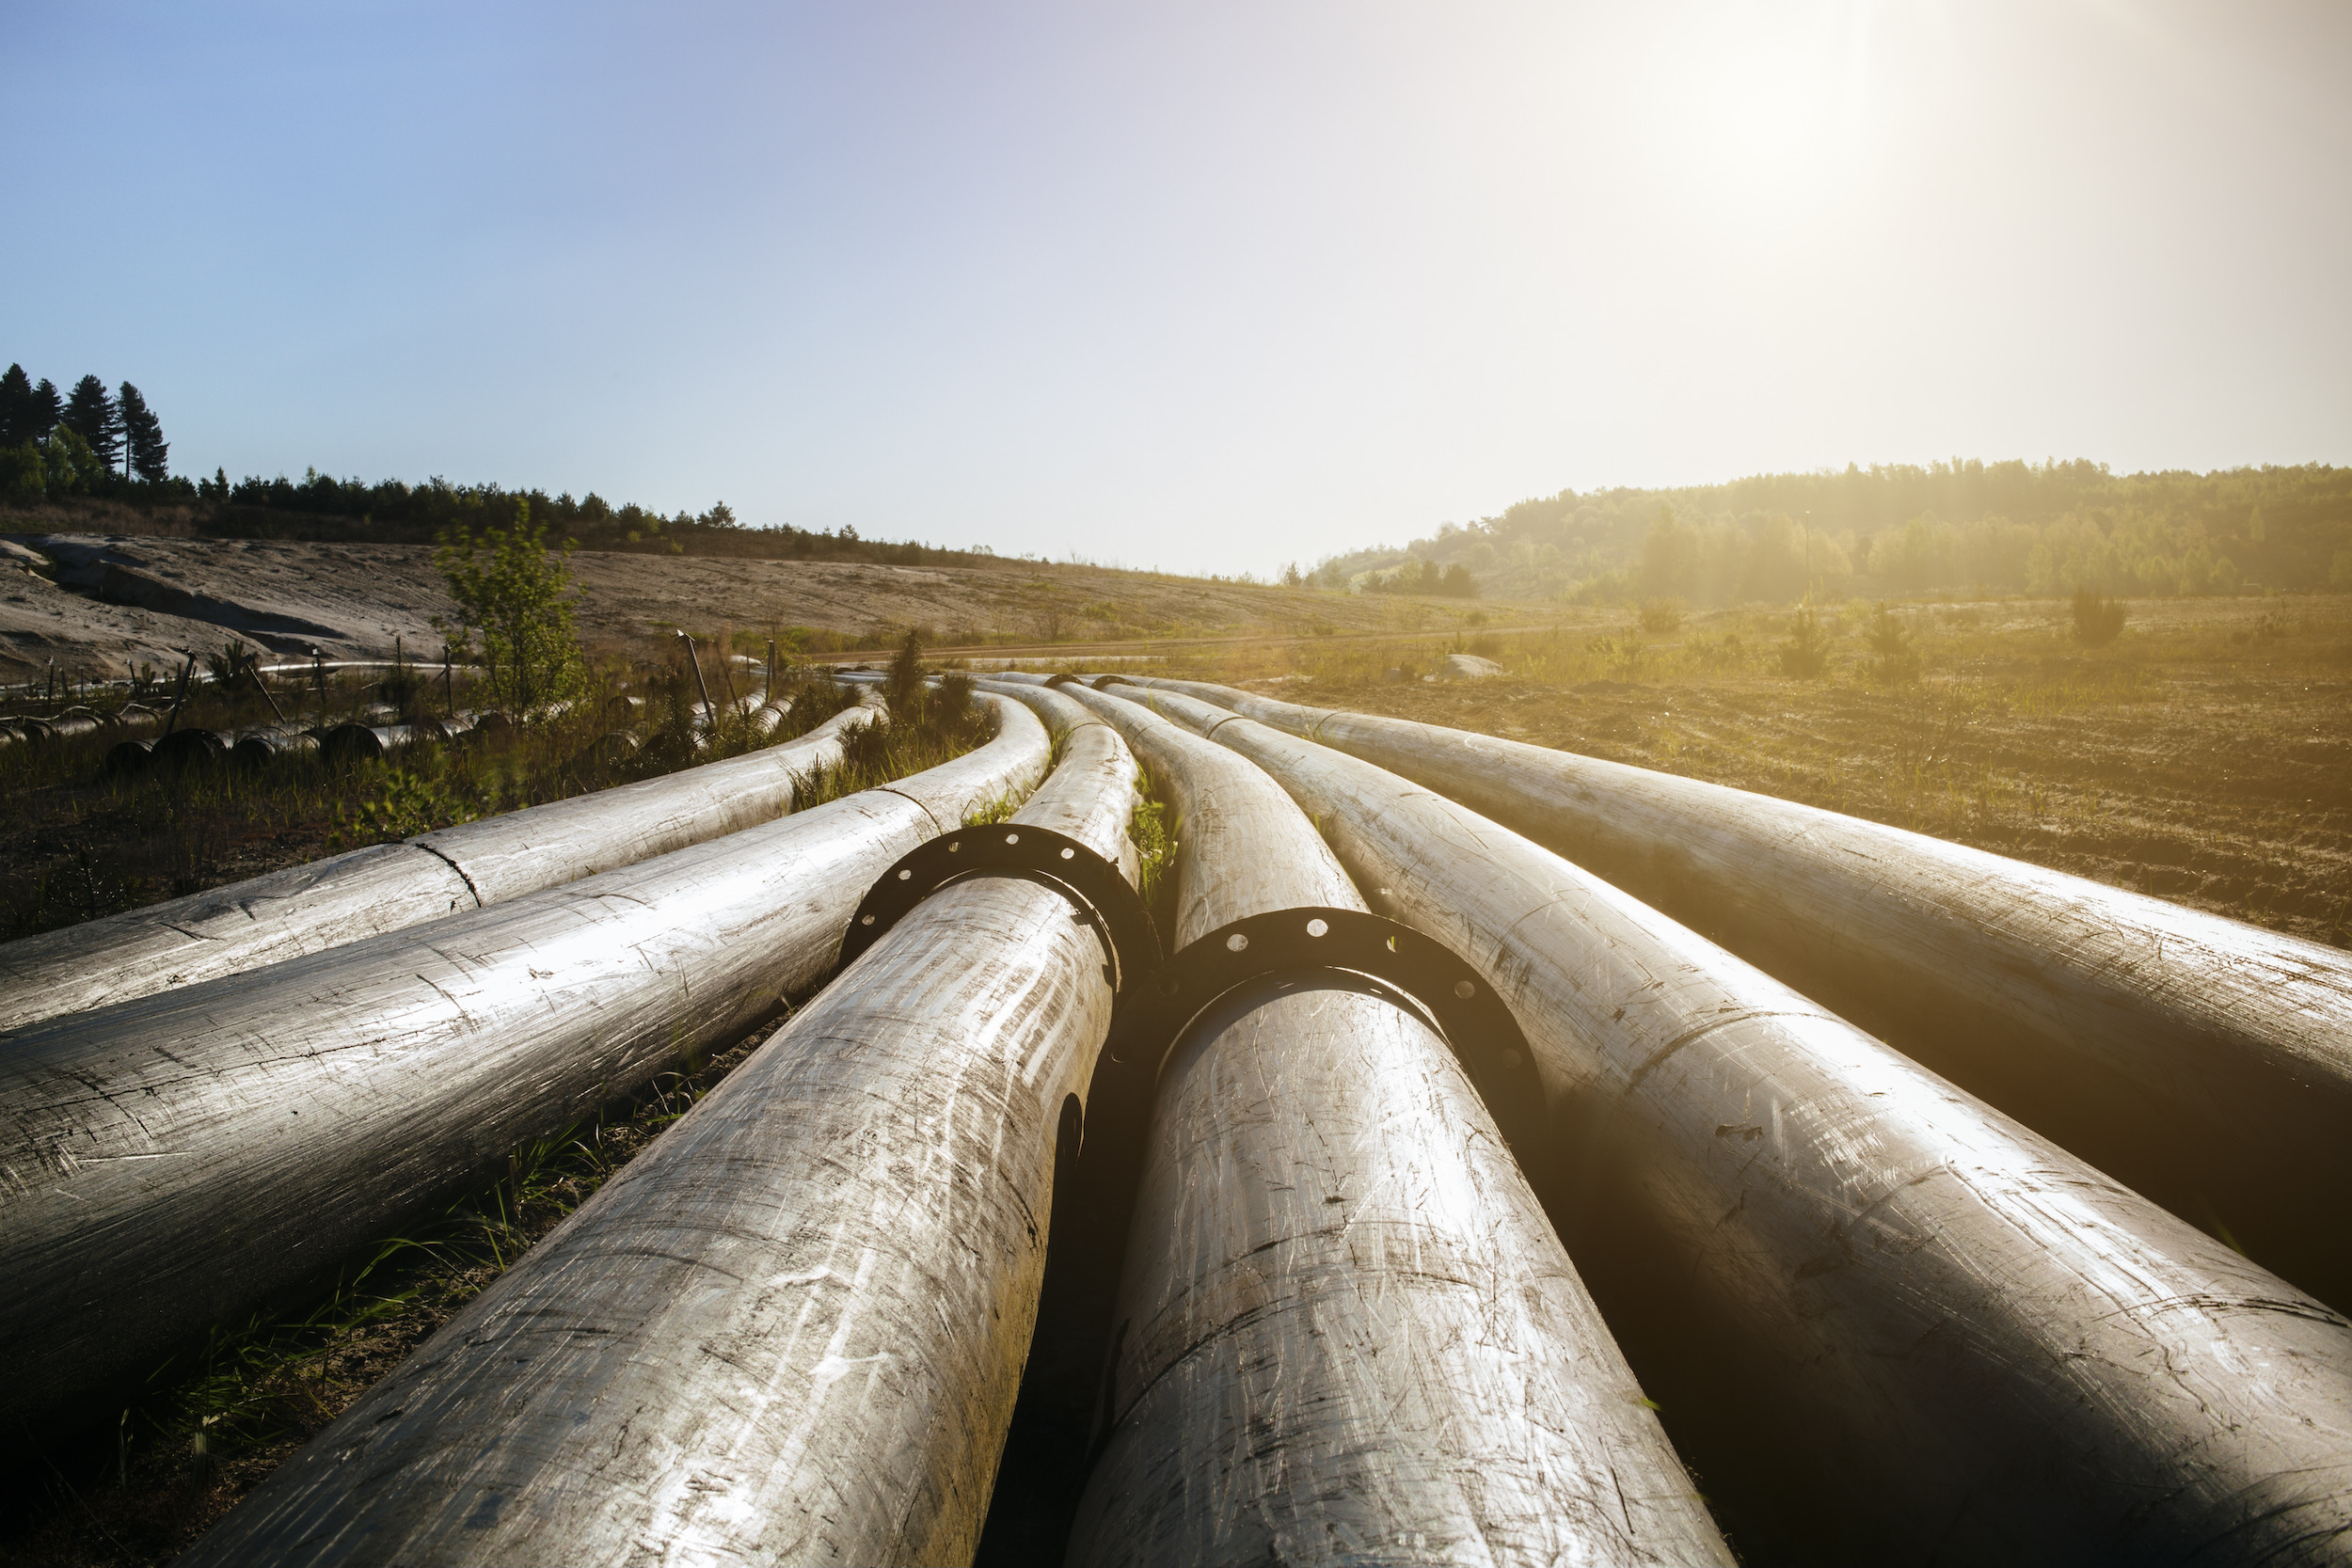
[1453, 998]
[1059, 1423]
[1074, 869]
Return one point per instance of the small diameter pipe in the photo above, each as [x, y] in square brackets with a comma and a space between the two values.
[364, 893]
[709, 715]
[1901, 1326]
[1344, 1321]
[793, 1329]
[170, 1162]
[2206, 1062]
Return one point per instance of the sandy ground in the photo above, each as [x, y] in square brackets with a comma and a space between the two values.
[98, 604]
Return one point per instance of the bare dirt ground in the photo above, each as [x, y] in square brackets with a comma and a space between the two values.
[2205, 756]
[99, 604]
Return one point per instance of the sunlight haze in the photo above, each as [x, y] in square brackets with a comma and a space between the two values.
[1210, 286]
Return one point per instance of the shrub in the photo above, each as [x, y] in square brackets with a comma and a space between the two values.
[1805, 654]
[518, 596]
[2098, 620]
[905, 685]
[1897, 661]
[1661, 615]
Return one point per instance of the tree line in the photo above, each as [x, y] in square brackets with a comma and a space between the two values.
[391, 511]
[88, 441]
[94, 445]
[1957, 527]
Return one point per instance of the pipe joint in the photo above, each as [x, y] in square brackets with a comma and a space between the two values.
[1095, 885]
[1453, 998]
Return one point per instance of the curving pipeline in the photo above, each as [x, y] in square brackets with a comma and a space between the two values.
[170, 1162]
[1887, 1320]
[1343, 1323]
[2204, 1062]
[344, 899]
[792, 1330]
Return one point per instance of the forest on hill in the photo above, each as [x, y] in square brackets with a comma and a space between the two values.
[1963, 527]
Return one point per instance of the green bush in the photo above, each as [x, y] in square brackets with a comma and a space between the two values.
[1898, 660]
[1805, 654]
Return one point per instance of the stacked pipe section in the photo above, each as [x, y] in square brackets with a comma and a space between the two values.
[2204, 1061]
[791, 1330]
[1345, 1330]
[170, 1162]
[1901, 1325]
[344, 898]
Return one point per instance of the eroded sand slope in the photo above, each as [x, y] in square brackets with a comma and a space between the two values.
[99, 603]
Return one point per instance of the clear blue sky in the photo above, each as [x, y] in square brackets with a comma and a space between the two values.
[1203, 285]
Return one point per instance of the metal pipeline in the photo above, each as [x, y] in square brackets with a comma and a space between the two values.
[171, 1161]
[2204, 1062]
[347, 897]
[1344, 1321]
[792, 1330]
[1901, 1326]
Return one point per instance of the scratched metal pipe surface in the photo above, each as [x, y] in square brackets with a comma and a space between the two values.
[793, 1329]
[170, 1162]
[2203, 1061]
[1063, 718]
[1972, 1346]
[1347, 1331]
[311, 909]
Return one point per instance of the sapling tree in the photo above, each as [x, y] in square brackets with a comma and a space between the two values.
[517, 594]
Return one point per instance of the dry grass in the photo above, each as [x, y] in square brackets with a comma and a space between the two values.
[2205, 755]
[218, 1419]
[80, 843]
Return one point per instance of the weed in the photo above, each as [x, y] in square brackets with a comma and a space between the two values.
[932, 725]
[1620, 657]
[1659, 616]
[1898, 660]
[2098, 620]
[409, 805]
[1805, 654]
[220, 1416]
[1150, 828]
[993, 812]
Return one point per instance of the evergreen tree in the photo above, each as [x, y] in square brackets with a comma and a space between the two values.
[48, 408]
[90, 414]
[18, 413]
[146, 452]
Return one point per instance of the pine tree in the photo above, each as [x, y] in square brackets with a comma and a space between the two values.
[145, 451]
[48, 408]
[90, 414]
[19, 409]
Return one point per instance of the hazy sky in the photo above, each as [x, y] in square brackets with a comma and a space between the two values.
[1201, 285]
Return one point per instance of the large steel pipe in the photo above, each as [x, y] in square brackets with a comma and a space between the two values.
[1345, 1330]
[2203, 1061]
[344, 899]
[1904, 1326]
[792, 1330]
[168, 1162]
